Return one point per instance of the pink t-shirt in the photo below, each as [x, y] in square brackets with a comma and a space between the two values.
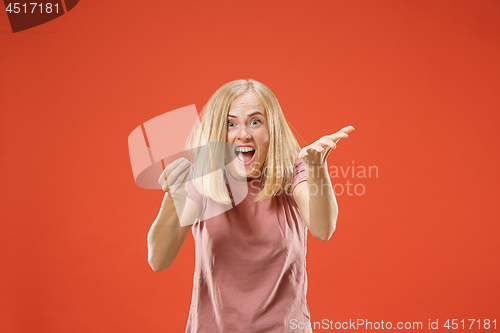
[250, 266]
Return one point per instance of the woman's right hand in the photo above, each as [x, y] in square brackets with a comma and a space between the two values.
[167, 234]
[173, 179]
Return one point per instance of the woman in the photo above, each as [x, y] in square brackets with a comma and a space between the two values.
[252, 195]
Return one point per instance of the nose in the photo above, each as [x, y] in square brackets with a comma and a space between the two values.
[244, 133]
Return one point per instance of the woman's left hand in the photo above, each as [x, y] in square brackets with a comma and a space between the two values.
[317, 152]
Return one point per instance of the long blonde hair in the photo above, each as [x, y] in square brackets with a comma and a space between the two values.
[207, 143]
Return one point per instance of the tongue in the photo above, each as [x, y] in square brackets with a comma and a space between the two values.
[246, 157]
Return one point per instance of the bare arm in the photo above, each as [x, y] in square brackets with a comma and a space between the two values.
[166, 235]
[316, 198]
[317, 204]
[177, 214]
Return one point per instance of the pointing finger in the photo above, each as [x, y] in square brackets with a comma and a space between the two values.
[342, 134]
[347, 129]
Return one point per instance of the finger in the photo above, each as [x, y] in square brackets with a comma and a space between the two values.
[341, 134]
[347, 129]
[169, 168]
[326, 142]
[162, 179]
[328, 150]
[330, 147]
[163, 183]
[302, 152]
[182, 177]
[177, 172]
[305, 151]
[335, 137]
[185, 176]
[311, 149]
[169, 185]
[316, 146]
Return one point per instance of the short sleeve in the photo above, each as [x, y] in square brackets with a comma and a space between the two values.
[299, 175]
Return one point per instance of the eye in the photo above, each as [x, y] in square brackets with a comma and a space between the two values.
[230, 124]
[255, 122]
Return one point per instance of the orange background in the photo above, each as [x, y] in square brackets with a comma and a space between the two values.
[420, 81]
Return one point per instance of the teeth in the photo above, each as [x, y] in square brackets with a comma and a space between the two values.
[244, 149]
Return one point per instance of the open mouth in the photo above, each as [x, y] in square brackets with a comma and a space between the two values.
[245, 155]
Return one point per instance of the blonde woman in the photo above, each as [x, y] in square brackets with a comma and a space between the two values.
[249, 198]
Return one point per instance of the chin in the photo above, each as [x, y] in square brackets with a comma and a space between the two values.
[254, 170]
[243, 172]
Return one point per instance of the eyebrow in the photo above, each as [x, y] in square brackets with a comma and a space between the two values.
[250, 115]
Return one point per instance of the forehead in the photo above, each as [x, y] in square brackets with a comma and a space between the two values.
[248, 102]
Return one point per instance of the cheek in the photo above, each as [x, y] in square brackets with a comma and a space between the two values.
[264, 140]
[229, 136]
